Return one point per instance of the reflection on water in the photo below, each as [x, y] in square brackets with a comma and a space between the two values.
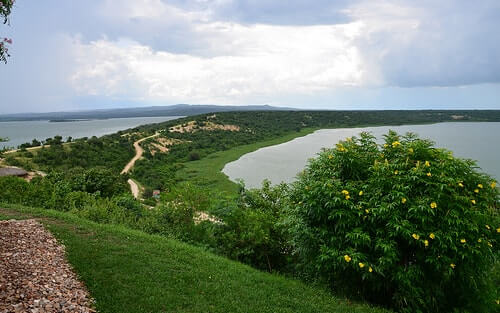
[478, 141]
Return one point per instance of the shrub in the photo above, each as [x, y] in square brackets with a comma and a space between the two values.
[194, 156]
[403, 224]
[251, 231]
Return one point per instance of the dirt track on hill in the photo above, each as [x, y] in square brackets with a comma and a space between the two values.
[134, 188]
[34, 275]
[138, 154]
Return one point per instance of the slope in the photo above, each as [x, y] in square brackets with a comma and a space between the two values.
[129, 271]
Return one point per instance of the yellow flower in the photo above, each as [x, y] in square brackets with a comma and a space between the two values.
[487, 226]
[476, 190]
[345, 192]
[300, 202]
[473, 201]
[463, 240]
[347, 197]
[427, 163]
[395, 144]
[461, 185]
[452, 265]
[410, 150]
[490, 245]
[432, 236]
[415, 236]
[433, 205]
[367, 211]
[493, 184]
[361, 265]
[330, 156]
[429, 174]
[396, 172]
[347, 258]
[426, 243]
[370, 269]
[403, 201]
[361, 193]
[385, 145]
[479, 240]
[498, 230]
[480, 186]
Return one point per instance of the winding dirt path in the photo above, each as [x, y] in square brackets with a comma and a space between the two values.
[138, 153]
[134, 188]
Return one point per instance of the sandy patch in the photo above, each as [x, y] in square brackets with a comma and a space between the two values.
[193, 126]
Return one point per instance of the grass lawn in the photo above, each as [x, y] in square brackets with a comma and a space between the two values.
[129, 271]
[207, 171]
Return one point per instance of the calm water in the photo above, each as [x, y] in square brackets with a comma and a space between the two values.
[21, 132]
[477, 141]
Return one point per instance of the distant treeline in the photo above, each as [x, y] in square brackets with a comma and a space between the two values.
[158, 171]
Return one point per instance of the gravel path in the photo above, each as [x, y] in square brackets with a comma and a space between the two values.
[34, 275]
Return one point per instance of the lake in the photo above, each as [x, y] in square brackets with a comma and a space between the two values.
[477, 141]
[25, 131]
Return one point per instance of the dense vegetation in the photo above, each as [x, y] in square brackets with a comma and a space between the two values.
[405, 225]
[162, 170]
[129, 271]
[359, 219]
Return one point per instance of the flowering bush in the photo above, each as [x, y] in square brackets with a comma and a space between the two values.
[5, 9]
[402, 224]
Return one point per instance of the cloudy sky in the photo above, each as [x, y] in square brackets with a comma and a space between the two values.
[360, 54]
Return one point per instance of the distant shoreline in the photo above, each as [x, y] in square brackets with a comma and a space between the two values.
[69, 120]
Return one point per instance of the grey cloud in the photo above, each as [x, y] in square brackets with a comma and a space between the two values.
[456, 43]
[291, 12]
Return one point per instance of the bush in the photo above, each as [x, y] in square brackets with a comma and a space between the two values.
[252, 231]
[403, 224]
[194, 156]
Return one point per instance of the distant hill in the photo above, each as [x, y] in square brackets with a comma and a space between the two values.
[172, 110]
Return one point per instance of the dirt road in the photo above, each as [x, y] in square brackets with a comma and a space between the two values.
[134, 188]
[138, 154]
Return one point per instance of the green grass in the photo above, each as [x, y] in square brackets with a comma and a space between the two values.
[129, 271]
[207, 171]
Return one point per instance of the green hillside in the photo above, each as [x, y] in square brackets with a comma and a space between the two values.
[130, 271]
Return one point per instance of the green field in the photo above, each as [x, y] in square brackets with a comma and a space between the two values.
[130, 271]
[207, 171]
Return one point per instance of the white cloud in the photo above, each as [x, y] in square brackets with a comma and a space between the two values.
[245, 63]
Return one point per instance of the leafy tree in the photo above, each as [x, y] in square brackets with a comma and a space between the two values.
[5, 10]
[252, 231]
[403, 224]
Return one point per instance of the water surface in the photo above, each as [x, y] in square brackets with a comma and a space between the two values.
[26, 131]
[477, 141]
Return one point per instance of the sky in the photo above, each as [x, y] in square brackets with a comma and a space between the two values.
[322, 54]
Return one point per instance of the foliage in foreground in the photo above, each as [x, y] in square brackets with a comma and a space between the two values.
[129, 271]
[404, 224]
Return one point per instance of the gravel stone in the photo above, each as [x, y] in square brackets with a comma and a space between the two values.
[34, 274]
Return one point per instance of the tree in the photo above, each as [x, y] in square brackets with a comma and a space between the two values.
[404, 224]
[5, 10]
